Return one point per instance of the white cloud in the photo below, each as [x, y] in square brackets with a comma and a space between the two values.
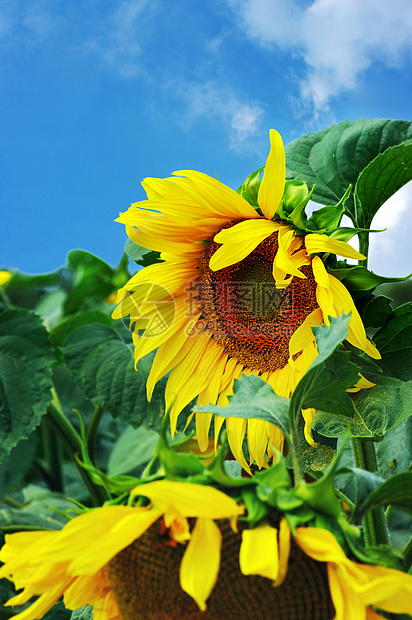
[212, 101]
[27, 24]
[391, 248]
[118, 40]
[337, 39]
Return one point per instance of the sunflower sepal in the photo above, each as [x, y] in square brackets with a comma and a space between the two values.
[328, 218]
[249, 189]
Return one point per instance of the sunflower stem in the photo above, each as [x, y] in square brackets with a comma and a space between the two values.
[364, 248]
[73, 443]
[296, 456]
[92, 431]
[52, 456]
[374, 523]
[407, 554]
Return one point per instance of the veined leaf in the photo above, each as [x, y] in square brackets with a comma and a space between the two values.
[377, 410]
[254, 398]
[102, 365]
[395, 491]
[26, 360]
[382, 178]
[394, 342]
[333, 158]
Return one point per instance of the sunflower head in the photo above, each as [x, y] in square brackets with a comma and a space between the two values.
[241, 282]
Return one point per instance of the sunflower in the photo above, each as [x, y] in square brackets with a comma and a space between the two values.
[237, 291]
[75, 562]
[182, 556]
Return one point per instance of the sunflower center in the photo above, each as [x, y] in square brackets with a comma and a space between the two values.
[144, 579]
[251, 318]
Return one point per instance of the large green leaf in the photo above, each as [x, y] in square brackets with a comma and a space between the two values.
[92, 277]
[395, 491]
[16, 464]
[36, 512]
[254, 398]
[377, 411]
[26, 360]
[134, 448]
[332, 159]
[359, 280]
[394, 452]
[382, 178]
[102, 366]
[394, 342]
[325, 383]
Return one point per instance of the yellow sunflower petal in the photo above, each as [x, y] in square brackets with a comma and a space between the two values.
[273, 183]
[284, 551]
[259, 553]
[239, 241]
[343, 302]
[236, 429]
[322, 243]
[97, 553]
[308, 415]
[284, 262]
[220, 198]
[257, 440]
[190, 500]
[304, 335]
[5, 276]
[200, 564]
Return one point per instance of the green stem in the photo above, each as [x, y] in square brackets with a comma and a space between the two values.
[11, 501]
[52, 455]
[374, 524]
[364, 248]
[72, 441]
[407, 554]
[295, 455]
[92, 432]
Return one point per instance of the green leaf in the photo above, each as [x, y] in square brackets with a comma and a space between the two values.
[328, 218]
[36, 512]
[396, 492]
[325, 382]
[333, 158]
[60, 333]
[394, 452]
[313, 459]
[102, 366]
[141, 256]
[377, 411]
[85, 613]
[394, 342]
[16, 464]
[253, 398]
[374, 310]
[92, 277]
[26, 360]
[134, 448]
[249, 189]
[359, 279]
[382, 178]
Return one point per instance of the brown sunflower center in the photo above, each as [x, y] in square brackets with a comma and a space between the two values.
[251, 318]
[144, 578]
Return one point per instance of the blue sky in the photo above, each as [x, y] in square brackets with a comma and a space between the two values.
[95, 95]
